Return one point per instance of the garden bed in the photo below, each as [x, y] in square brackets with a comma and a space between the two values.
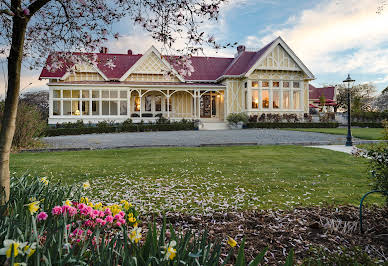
[302, 229]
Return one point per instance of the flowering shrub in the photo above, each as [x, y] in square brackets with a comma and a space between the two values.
[50, 224]
[378, 155]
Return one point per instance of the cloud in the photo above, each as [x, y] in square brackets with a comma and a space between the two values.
[335, 36]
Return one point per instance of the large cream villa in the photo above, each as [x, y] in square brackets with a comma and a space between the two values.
[270, 80]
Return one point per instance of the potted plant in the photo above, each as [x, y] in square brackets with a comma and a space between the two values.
[237, 120]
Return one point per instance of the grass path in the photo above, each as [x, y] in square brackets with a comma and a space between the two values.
[208, 179]
[361, 133]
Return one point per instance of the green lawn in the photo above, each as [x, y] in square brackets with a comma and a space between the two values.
[206, 179]
[361, 133]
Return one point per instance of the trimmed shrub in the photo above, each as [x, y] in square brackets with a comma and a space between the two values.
[29, 125]
[364, 124]
[290, 118]
[308, 117]
[292, 125]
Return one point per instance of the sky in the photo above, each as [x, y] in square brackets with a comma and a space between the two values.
[332, 37]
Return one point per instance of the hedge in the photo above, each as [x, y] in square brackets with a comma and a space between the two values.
[50, 132]
[365, 124]
[292, 125]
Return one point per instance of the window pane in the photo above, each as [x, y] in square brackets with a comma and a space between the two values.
[276, 99]
[85, 93]
[105, 108]
[286, 84]
[75, 108]
[66, 94]
[148, 103]
[104, 94]
[255, 99]
[296, 84]
[158, 103]
[113, 107]
[85, 107]
[265, 98]
[56, 107]
[265, 84]
[123, 107]
[66, 107]
[275, 84]
[286, 99]
[57, 94]
[123, 94]
[255, 84]
[136, 106]
[95, 94]
[95, 108]
[296, 99]
[113, 94]
[75, 94]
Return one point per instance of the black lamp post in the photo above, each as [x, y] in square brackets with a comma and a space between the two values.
[350, 82]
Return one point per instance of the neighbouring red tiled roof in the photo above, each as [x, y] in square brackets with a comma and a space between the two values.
[315, 93]
[189, 84]
[205, 68]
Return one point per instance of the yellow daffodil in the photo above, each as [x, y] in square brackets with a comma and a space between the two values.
[232, 242]
[132, 219]
[30, 250]
[135, 234]
[20, 264]
[169, 251]
[33, 207]
[84, 200]
[125, 204]
[98, 206]
[68, 202]
[86, 185]
[12, 246]
[44, 180]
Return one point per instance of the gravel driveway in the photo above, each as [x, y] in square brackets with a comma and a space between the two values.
[192, 138]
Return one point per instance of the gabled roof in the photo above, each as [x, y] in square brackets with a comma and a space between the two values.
[245, 60]
[208, 69]
[315, 93]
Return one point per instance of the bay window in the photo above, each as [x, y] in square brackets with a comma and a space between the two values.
[276, 100]
[286, 99]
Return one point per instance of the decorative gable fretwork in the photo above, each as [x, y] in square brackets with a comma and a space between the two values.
[278, 59]
[152, 77]
[151, 65]
[84, 76]
[84, 68]
[277, 75]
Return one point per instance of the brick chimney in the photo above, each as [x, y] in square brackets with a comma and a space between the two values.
[129, 52]
[240, 48]
[103, 50]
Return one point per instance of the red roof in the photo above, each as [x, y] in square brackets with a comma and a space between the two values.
[205, 68]
[328, 92]
[153, 83]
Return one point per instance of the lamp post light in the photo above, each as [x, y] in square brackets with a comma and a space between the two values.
[349, 81]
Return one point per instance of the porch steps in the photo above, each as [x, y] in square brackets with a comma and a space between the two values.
[213, 126]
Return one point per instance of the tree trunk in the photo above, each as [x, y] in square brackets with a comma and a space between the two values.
[8, 122]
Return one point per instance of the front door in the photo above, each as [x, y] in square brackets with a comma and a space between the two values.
[206, 107]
